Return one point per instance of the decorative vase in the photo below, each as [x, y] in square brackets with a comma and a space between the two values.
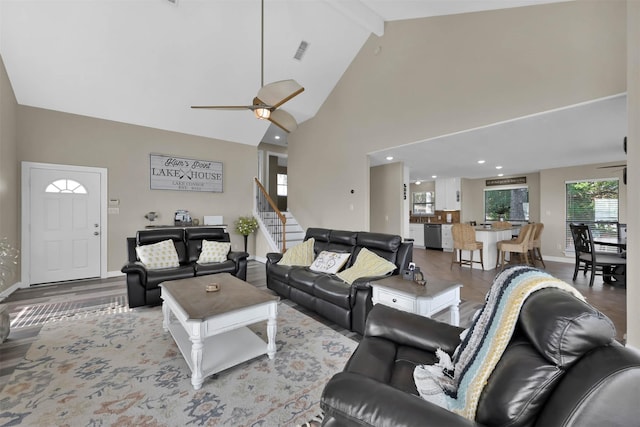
[245, 241]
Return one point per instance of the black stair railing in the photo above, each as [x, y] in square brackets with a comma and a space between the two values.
[271, 217]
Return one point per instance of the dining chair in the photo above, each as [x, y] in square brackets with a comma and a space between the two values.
[464, 239]
[518, 245]
[611, 266]
[535, 244]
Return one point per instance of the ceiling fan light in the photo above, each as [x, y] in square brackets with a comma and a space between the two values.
[262, 113]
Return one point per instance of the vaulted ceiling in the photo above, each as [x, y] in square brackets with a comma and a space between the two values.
[145, 62]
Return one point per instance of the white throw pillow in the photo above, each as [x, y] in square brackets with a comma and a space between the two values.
[214, 252]
[329, 262]
[158, 255]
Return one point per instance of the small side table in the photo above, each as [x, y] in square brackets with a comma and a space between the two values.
[426, 300]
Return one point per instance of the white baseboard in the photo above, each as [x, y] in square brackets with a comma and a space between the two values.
[114, 274]
[11, 289]
[259, 259]
[559, 259]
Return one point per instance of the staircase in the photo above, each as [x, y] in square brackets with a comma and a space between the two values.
[280, 229]
[294, 233]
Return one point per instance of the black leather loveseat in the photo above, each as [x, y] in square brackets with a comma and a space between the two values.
[143, 284]
[562, 367]
[326, 294]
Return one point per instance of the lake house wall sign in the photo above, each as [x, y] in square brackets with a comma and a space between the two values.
[179, 173]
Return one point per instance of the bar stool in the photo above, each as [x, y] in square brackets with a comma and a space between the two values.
[464, 239]
[519, 245]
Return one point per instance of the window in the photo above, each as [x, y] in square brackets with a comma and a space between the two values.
[423, 203]
[66, 186]
[594, 203]
[282, 184]
[509, 204]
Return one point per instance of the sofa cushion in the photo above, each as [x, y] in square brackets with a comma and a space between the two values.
[213, 252]
[147, 237]
[329, 262]
[158, 255]
[227, 266]
[155, 277]
[303, 279]
[333, 290]
[281, 272]
[196, 235]
[367, 264]
[301, 254]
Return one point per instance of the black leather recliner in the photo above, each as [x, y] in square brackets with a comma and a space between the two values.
[562, 367]
[143, 285]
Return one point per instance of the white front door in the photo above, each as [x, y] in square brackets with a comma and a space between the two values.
[65, 218]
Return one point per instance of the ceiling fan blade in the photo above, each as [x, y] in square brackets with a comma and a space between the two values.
[277, 93]
[283, 120]
[225, 107]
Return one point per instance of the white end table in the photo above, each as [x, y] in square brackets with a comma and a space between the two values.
[426, 300]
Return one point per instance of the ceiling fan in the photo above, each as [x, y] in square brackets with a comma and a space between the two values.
[270, 97]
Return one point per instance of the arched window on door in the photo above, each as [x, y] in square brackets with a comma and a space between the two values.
[66, 186]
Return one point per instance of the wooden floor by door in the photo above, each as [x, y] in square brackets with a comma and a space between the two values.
[65, 225]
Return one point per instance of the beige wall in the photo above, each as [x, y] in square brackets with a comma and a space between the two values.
[53, 137]
[439, 75]
[9, 172]
[552, 204]
[387, 202]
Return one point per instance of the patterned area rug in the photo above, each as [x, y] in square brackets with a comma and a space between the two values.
[125, 370]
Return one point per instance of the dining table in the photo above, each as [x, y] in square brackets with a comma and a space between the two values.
[614, 275]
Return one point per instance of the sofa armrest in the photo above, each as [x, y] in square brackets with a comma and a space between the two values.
[356, 400]
[411, 329]
[237, 256]
[136, 268]
[273, 257]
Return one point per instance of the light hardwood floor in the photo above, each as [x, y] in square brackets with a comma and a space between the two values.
[611, 300]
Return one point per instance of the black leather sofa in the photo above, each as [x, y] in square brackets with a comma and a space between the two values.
[562, 367]
[143, 285]
[326, 294]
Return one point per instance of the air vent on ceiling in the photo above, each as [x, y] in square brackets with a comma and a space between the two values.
[301, 50]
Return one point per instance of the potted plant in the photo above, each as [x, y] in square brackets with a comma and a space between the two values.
[246, 225]
[502, 212]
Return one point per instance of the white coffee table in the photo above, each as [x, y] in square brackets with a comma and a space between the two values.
[210, 328]
[426, 300]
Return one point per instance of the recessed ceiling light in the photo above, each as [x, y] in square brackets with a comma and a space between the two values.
[500, 174]
[389, 157]
[434, 176]
[498, 167]
[418, 182]
[480, 162]
[277, 136]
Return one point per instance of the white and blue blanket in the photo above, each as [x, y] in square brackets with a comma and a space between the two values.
[457, 383]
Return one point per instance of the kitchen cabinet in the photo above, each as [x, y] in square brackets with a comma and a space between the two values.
[416, 232]
[448, 194]
[447, 238]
